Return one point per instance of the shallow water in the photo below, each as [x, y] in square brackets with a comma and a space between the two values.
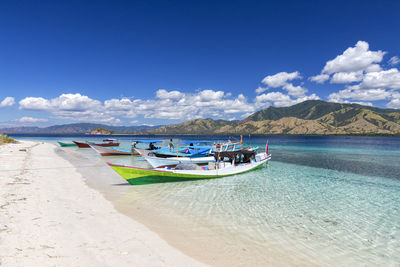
[322, 200]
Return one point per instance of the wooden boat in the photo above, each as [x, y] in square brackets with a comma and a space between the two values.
[65, 144]
[220, 168]
[111, 151]
[105, 143]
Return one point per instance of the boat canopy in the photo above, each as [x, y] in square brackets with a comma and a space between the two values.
[237, 156]
[109, 140]
[147, 141]
[198, 150]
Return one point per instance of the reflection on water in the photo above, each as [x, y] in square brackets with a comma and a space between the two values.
[329, 200]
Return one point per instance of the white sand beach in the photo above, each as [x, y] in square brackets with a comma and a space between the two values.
[50, 217]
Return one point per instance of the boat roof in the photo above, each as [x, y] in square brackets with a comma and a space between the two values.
[109, 139]
[148, 141]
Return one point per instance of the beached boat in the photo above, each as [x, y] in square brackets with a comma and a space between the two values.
[242, 161]
[111, 151]
[106, 142]
[65, 144]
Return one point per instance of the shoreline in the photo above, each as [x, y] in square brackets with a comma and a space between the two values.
[204, 134]
[194, 237]
[50, 216]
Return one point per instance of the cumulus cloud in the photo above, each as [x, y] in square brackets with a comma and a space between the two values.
[70, 107]
[65, 102]
[366, 80]
[174, 105]
[164, 94]
[355, 94]
[354, 59]
[394, 60]
[394, 103]
[321, 78]
[260, 90]
[280, 79]
[280, 100]
[7, 102]
[31, 120]
[34, 103]
[347, 77]
[351, 64]
[381, 79]
[296, 91]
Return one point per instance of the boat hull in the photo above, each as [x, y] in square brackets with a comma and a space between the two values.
[142, 152]
[110, 151]
[65, 144]
[135, 175]
[85, 145]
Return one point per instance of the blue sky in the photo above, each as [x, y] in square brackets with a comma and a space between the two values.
[163, 62]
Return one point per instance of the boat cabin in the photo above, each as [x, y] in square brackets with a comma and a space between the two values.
[236, 157]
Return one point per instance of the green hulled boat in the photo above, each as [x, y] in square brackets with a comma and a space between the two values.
[65, 144]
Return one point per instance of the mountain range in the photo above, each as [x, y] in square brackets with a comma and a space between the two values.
[312, 117]
[77, 128]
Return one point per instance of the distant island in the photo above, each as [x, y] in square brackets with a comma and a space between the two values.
[101, 131]
[312, 117]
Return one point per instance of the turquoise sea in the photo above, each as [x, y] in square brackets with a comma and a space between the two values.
[321, 200]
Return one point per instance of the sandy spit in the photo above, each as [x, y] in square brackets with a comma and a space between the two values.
[50, 217]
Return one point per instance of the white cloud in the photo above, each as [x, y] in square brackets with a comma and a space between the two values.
[355, 94]
[351, 65]
[67, 102]
[75, 107]
[34, 103]
[31, 120]
[280, 79]
[394, 103]
[321, 78]
[163, 94]
[347, 77]
[260, 90]
[373, 68]
[280, 100]
[296, 91]
[394, 60]
[354, 59]
[382, 79]
[7, 102]
[172, 105]
[74, 102]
